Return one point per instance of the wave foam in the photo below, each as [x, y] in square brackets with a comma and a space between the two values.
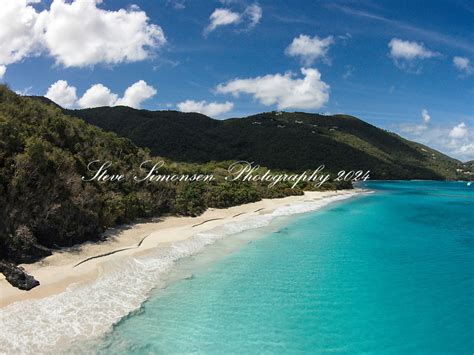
[88, 311]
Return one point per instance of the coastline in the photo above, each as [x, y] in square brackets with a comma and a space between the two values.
[84, 263]
[90, 288]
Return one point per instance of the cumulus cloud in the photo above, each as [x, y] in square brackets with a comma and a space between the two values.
[61, 93]
[97, 95]
[76, 33]
[406, 54]
[221, 17]
[461, 141]
[3, 70]
[466, 150]
[457, 141]
[459, 131]
[17, 35]
[308, 49]
[136, 94]
[284, 90]
[100, 36]
[211, 109]
[409, 50]
[425, 116]
[417, 129]
[464, 65]
[251, 15]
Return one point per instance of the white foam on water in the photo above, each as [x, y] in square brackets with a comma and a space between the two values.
[88, 311]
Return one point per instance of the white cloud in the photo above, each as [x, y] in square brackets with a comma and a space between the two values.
[224, 17]
[3, 70]
[61, 93]
[461, 141]
[457, 141]
[221, 17]
[80, 34]
[17, 36]
[97, 95]
[177, 4]
[76, 33]
[345, 36]
[459, 131]
[417, 129]
[211, 109]
[400, 49]
[466, 150]
[254, 13]
[413, 129]
[425, 116]
[136, 94]
[406, 54]
[24, 91]
[309, 92]
[463, 64]
[309, 48]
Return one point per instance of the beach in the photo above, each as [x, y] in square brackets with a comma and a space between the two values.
[83, 264]
[84, 291]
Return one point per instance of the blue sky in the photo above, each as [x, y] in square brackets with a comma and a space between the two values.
[406, 66]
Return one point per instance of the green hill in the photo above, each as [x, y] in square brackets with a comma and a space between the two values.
[294, 141]
[44, 204]
[469, 164]
[467, 169]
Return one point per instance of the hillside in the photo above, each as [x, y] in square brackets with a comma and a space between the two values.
[45, 205]
[294, 141]
[467, 169]
[469, 165]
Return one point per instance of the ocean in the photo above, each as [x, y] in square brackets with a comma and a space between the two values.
[387, 272]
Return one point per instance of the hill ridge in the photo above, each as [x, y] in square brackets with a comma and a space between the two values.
[284, 140]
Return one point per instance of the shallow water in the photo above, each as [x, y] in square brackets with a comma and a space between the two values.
[390, 272]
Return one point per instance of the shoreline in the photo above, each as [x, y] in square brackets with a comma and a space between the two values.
[78, 302]
[85, 263]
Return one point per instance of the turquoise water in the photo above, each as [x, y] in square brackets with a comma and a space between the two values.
[388, 272]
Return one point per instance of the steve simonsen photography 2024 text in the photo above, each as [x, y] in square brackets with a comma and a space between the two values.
[238, 171]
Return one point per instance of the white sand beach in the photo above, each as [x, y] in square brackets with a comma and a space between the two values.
[72, 266]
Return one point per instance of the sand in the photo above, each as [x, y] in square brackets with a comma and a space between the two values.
[85, 263]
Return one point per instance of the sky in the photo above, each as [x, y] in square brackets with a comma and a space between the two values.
[405, 66]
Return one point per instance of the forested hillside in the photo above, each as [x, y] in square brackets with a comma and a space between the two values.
[294, 141]
[44, 204]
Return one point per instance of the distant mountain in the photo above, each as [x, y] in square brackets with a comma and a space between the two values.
[294, 141]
